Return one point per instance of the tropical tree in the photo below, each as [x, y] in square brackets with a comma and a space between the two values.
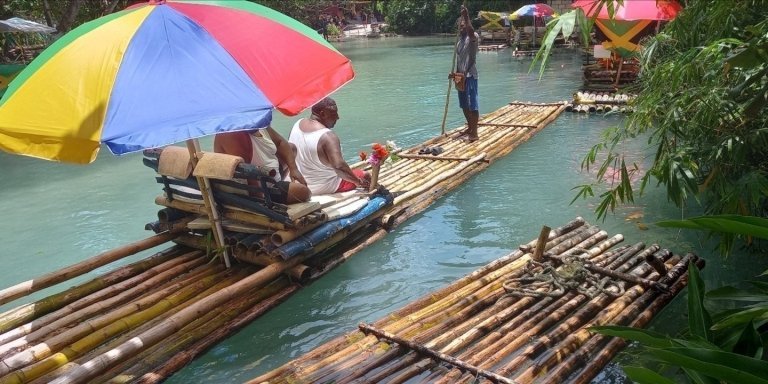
[61, 14]
[701, 103]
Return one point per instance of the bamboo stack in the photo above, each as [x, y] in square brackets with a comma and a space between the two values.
[474, 330]
[144, 321]
[600, 102]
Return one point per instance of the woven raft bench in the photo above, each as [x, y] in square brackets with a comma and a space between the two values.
[258, 230]
[523, 318]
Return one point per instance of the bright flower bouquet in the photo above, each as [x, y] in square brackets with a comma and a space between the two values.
[379, 155]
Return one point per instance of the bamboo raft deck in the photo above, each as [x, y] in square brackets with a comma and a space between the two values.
[144, 321]
[505, 323]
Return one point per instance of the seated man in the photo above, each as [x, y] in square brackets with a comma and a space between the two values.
[319, 152]
[267, 149]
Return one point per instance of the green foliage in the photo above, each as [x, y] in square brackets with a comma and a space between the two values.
[731, 350]
[731, 345]
[701, 103]
[416, 17]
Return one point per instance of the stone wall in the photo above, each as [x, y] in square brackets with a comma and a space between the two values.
[561, 6]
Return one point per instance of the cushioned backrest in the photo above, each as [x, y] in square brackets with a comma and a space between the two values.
[175, 162]
[217, 166]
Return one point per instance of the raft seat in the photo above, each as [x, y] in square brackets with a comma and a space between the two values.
[229, 187]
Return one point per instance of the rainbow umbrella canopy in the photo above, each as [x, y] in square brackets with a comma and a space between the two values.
[632, 20]
[535, 10]
[162, 72]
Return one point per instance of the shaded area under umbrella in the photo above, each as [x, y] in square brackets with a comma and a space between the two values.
[163, 72]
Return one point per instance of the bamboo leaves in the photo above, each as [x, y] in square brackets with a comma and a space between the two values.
[699, 321]
[645, 376]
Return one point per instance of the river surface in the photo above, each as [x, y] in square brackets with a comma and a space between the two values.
[54, 214]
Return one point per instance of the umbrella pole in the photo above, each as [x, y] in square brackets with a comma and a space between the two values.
[210, 203]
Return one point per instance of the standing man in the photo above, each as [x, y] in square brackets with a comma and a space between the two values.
[466, 55]
[318, 152]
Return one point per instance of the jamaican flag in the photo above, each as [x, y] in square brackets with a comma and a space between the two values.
[623, 36]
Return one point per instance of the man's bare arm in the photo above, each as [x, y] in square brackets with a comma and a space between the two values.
[285, 155]
[330, 147]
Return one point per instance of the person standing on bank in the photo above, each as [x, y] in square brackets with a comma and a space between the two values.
[318, 152]
[465, 76]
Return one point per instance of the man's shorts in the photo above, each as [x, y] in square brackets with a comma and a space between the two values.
[468, 97]
[346, 185]
[279, 192]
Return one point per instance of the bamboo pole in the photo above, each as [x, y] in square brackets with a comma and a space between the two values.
[450, 82]
[248, 217]
[53, 278]
[43, 359]
[120, 294]
[27, 312]
[437, 158]
[541, 243]
[436, 355]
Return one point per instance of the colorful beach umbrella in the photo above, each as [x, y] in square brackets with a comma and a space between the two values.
[163, 72]
[535, 10]
[631, 9]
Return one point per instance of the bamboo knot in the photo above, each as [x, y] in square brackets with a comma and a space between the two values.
[556, 276]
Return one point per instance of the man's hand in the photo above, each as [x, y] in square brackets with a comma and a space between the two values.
[365, 182]
[298, 177]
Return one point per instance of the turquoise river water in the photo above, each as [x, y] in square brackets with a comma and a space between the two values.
[54, 214]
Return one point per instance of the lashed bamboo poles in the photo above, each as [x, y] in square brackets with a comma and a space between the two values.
[27, 312]
[175, 322]
[64, 274]
[451, 299]
[507, 144]
[44, 356]
[642, 317]
[459, 341]
[209, 326]
[97, 302]
[429, 304]
[341, 361]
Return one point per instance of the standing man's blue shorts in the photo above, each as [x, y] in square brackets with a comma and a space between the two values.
[468, 97]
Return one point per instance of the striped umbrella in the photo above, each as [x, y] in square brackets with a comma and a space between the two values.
[162, 72]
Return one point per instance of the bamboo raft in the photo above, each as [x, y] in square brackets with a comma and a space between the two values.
[508, 322]
[143, 321]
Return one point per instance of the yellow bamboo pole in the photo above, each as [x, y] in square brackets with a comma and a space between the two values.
[53, 278]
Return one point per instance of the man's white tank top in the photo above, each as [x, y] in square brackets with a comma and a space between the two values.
[264, 153]
[321, 179]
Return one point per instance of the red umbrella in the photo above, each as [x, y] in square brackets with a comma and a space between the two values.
[632, 9]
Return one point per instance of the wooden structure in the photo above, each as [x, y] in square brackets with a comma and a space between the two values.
[601, 102]
[523, 318]
[144, 321]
